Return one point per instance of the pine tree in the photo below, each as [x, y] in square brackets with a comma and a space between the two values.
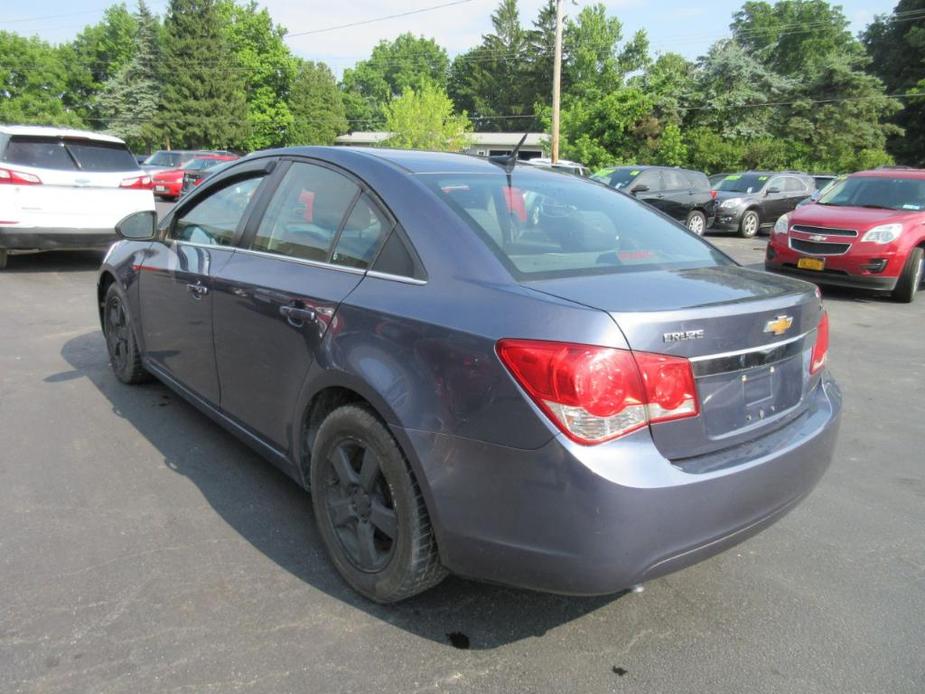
[129, 100]
[317, 106]
[203, 101]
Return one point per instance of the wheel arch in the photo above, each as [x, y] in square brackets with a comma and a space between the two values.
[107, 278]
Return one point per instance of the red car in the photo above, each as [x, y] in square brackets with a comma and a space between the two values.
[867, 231]
[169, 183]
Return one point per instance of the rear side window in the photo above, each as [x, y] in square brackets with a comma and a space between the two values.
[41, 152]
[306, 212]
[570, 227]
[214, 221]
[674, 180]
[361, 236]
[698, 181]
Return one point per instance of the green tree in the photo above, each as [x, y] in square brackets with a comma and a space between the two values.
[267, 66]
[33, 82]
[896, 44]
[95, 56]
[492, 81]
[317, 106]
[128, 101]
[393, 67]
[423, 118]
[203, 99]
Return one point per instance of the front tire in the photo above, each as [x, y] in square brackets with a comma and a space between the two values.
[749, 225]
[370, 510]
[696, 222]
[911, 277]
[124, 356]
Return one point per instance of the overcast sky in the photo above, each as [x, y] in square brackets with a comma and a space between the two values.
[673, 25]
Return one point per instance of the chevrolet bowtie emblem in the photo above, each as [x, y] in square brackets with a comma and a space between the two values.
[779, 325]
[817, 237]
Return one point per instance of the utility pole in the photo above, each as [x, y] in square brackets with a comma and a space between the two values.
[557, 82]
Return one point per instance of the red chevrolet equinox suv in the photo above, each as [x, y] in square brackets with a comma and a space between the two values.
[867, 231]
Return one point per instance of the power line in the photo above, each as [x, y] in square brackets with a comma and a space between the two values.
[378, 19]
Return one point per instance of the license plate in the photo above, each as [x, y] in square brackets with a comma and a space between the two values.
[811, 264]
[160, 189]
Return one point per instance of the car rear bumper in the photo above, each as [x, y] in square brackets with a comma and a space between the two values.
[597, 520]
[39, 239]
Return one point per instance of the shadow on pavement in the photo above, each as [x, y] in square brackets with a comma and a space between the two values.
[54, 261]
[274, 514]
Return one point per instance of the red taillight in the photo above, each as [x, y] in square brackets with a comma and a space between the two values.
[18, 178]
[821, 348]
[713, 194]
[137, 183]
[595, 394]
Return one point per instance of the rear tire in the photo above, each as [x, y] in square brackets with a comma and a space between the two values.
[749, 224]
[370, 510]
[124, 356]
[696, 222]
[911, 277]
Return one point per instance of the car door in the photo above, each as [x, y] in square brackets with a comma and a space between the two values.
[175, 293]
[796, 190]
[677, 193]
[277, 297]
[775, 203]
[648, 188]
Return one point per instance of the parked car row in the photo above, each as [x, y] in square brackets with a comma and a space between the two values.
[865, 230]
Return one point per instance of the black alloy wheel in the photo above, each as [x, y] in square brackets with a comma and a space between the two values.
[359, 505]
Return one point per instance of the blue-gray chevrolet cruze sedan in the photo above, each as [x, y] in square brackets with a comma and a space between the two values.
[502, 372]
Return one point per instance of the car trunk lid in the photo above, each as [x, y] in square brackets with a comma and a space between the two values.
[748, 334]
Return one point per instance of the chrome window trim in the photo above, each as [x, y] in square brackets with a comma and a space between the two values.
[303, 261]
[395, 278]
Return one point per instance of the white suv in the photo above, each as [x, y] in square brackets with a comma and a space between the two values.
[65, 189]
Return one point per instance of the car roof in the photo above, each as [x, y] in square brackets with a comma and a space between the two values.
[891, 172]
[46, 131]
[410, 160]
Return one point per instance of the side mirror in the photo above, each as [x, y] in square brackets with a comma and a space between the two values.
[639, 189]
[138, 226]
[773, 190]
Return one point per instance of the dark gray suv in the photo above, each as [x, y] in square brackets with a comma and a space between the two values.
[752, 200]
[503, 372]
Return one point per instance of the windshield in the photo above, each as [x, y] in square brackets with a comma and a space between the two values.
[876, 191]
[167, 159]
[621, 178]
[548, 225]
[742, 183]
[201, 164]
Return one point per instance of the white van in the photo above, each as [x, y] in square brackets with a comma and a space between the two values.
[65, 189]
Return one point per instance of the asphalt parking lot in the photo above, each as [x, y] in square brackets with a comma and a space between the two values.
[144, 549]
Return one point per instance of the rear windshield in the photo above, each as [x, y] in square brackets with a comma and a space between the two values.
[169, 159]
[543, 224]
[743, 183]
[877, 192]
[69, 154]
[202, 164]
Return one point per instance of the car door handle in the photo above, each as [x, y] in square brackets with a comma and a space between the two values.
[198, 290]
[296, 315]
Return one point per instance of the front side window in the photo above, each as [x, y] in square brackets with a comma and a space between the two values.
[543, 225]
[742, 183]
[306, 212]
[214, 221]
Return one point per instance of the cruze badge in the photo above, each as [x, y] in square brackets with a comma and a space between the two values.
[779, 325]
[680, 335]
